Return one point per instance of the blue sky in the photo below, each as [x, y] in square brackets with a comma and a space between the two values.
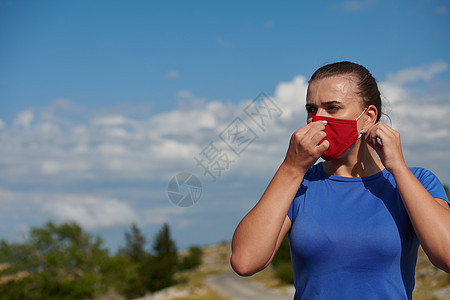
[102, 102]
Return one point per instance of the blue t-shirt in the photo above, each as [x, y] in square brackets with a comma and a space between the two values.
[351, 237]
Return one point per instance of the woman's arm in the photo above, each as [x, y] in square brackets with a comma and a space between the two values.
[256, 238]
[261, 231]
[429, 216]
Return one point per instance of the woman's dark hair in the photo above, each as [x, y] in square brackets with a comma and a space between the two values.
[367, 85]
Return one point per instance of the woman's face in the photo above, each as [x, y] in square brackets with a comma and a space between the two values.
[334, 97]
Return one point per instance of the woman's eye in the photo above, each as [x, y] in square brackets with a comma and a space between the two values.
[333, 107]
[310, 110]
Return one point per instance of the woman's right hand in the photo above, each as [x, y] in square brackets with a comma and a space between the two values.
[304, 148]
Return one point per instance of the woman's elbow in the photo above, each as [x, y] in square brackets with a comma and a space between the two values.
[242, 266]
[441, 263]
[446, 265]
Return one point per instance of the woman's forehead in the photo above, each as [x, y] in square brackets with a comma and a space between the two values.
[335, 88]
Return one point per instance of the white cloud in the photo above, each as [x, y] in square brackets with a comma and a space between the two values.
[50, 167]
[6, 195]
[291, 96]
[111, 146]
[161, 215]
[421, 116]
[47, 158]
[90, 212]
[172, 74]
[24, 119]
[187, 100]
[112, 120]
[417, 73]
[184, 94]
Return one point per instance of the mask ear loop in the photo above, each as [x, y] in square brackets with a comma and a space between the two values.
[359, 136]
[361, 114]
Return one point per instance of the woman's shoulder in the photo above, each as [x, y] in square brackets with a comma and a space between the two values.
[421, 172]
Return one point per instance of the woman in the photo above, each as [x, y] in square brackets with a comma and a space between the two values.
[354, 222]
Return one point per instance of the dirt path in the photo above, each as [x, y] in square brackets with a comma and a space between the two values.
[233, 286]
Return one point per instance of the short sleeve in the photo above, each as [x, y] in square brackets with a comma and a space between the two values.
[294, 208]
[431, 183]
[299, 196]
[291, 211]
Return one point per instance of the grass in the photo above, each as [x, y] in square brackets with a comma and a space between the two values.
[429, 279]
[191, 283]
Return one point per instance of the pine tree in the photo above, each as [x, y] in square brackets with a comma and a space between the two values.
[135, 244]
[164, 262]
[135, 268]
[163, 244]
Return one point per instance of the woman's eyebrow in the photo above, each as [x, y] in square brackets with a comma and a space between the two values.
[324, 103]
[331, 102]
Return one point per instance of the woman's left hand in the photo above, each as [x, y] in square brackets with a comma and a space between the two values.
[386, 142]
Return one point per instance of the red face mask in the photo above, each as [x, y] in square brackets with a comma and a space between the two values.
[341, 134]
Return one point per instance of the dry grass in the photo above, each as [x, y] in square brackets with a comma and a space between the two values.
[431, 283]
[191, 284]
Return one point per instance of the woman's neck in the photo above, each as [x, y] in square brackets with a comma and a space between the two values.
[358, 161]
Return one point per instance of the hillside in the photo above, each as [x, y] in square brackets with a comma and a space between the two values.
[431, 283]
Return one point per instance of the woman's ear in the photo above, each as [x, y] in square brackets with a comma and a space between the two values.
[371, 116]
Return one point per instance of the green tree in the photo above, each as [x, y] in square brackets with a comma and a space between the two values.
[163, 244]
[125, 276]
[281, 263]
[58, 262]
[133, 258]
[193, 259]
[135, 244]
[162, 265]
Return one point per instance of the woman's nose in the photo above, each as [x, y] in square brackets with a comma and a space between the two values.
[321, 112]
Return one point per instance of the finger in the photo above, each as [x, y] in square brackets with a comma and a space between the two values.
[370, 130]
[323, 147]
[371, 136]
[314, 126]
[375, 144]
[318, 137]
[381, 136]
[384, 135]
[303, 137]
[315, 133]
[381, 128]
[374, 132]
[318, 125]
